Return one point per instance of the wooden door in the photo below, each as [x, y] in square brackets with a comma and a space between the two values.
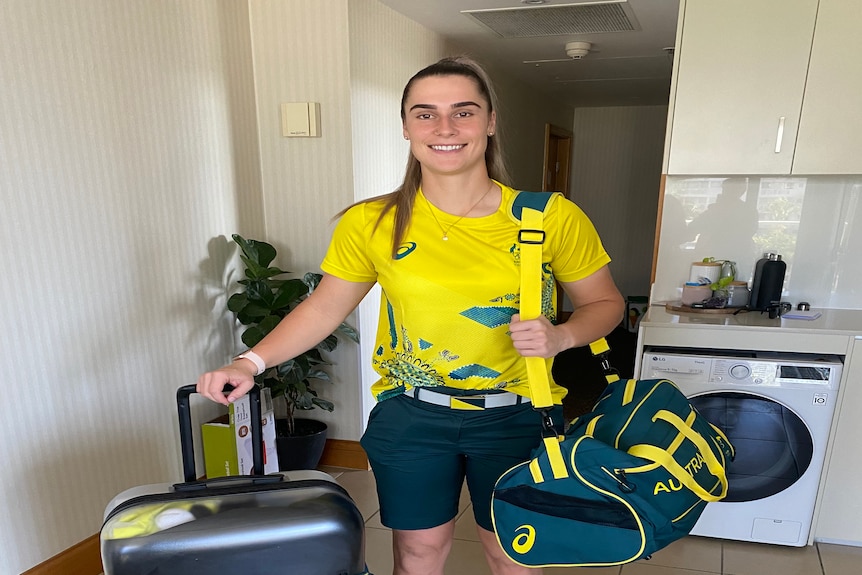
[557, 172]
[558, 151]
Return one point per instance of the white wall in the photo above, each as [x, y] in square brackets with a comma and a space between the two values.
[302, 54]
[616, 178]
[127, 152]
[523, 114]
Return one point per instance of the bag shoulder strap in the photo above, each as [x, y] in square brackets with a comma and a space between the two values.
[539, 201]
[528, 208]
[531, 237]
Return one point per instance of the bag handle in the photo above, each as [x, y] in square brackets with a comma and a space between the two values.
[667, 461]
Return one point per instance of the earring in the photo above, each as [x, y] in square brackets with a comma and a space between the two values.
[406, 137]
[490, 134]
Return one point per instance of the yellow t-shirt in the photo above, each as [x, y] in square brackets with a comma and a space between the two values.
[446, 304]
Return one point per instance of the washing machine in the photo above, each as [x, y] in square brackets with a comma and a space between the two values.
[776, 410]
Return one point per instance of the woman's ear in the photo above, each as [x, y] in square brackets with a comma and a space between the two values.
[492, 123]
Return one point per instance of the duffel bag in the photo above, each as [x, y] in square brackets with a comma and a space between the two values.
[626, 480]
[581, 501]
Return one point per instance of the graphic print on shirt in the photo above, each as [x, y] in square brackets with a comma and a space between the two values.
[402, 366]
[548, 285]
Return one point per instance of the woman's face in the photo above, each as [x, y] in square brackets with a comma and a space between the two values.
[448, 121]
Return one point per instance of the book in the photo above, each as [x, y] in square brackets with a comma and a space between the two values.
[227, 440]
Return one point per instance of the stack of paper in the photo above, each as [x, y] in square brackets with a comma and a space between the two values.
[799, 314]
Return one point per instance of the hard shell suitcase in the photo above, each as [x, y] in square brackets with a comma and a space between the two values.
[300, 523]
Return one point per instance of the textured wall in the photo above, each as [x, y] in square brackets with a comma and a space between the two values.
[616, 173]
[302, 54]
[127, 149]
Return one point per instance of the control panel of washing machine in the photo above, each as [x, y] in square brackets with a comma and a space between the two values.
[762, 371]
[743, 371]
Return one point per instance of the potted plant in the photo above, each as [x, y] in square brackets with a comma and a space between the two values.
[261, 305]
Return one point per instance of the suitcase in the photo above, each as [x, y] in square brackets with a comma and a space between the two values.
[298, 522]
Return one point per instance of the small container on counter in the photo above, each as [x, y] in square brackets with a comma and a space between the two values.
[694, 293]
[737, 294]
[704, 271]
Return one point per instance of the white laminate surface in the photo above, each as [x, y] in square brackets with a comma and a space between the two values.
[832, 321]
[832, 332]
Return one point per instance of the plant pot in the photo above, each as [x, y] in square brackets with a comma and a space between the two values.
[304, 448]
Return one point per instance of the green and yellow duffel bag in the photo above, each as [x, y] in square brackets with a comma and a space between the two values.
[626, 480]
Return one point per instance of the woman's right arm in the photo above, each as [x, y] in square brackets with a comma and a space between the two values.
[308, 324]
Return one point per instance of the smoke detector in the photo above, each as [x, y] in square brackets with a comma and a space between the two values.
[577, 50]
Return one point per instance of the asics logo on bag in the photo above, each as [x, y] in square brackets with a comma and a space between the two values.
[692, 467]
[523, 541]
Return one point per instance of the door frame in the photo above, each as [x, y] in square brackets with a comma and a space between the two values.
[557, 140]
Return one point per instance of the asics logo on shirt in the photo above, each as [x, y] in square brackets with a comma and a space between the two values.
[405, 250]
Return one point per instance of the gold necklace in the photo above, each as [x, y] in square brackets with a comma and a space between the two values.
[453, 224]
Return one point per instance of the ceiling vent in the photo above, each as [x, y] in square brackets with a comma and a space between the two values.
[563, 19]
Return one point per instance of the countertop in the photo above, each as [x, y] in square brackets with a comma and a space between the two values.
[834, 332]
[846, 322]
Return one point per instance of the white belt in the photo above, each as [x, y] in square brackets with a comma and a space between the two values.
[466, 402]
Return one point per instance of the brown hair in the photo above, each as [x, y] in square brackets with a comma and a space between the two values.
[403, 197]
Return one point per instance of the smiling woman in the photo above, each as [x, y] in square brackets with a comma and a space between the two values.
[444, 249]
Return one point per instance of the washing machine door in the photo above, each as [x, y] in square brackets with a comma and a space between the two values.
[773, 445]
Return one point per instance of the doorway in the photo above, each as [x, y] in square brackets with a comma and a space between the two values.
[557, 165]
[555, 178]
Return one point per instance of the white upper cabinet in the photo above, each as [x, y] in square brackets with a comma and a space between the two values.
[739, 85]
[830, 130]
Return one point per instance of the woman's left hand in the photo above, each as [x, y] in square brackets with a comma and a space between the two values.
[537, 337]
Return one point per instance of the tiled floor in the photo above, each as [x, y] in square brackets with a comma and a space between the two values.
[689, 556]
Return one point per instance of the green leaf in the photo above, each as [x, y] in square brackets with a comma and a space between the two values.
[318, 374]
[261, 253]
[237, 302]
[328, 344]
[349, 332]
[323, 404]
[289, 294]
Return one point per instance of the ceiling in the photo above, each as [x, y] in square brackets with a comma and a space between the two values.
[623, 67]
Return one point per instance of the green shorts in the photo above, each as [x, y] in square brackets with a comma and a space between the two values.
[421, 453]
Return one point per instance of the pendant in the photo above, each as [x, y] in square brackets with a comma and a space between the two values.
[445, 238]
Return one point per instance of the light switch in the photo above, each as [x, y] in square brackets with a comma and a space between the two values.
[300, 119]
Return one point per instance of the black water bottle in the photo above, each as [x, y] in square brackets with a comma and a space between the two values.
[768, 281]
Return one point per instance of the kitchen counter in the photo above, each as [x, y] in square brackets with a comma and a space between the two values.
[833, 332]
[837, 321]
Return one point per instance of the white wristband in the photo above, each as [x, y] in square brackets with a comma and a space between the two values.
[255, 359]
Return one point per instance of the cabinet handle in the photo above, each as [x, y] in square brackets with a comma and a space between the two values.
[780, 135]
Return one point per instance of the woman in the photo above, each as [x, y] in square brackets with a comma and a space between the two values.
[443, 248]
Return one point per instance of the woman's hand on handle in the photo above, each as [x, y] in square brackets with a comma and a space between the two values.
[537, 337]
[239, 375]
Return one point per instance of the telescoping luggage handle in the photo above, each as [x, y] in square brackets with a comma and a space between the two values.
[187, 444]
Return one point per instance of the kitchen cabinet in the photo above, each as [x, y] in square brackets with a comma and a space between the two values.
[767, 88]
[739, 85]
[830, 129]
[840, 507]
